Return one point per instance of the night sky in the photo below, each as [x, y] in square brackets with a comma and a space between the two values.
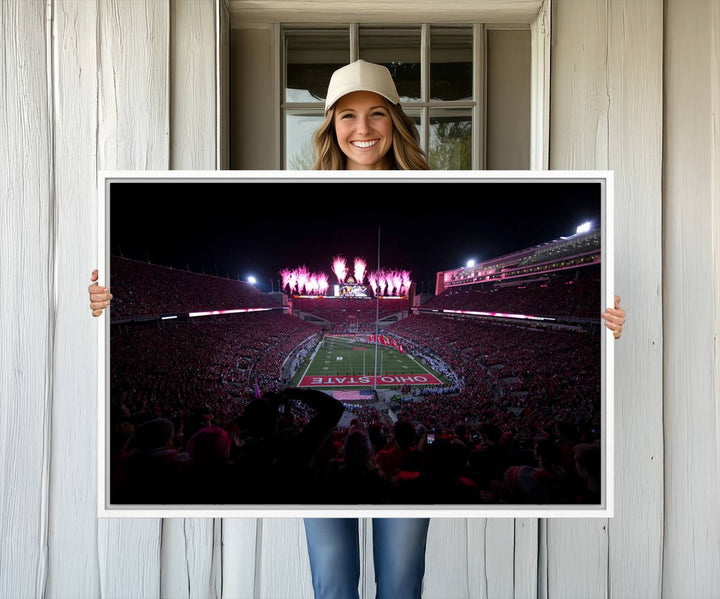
[244, 228]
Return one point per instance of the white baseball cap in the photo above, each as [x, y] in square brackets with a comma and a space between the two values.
[361, 76]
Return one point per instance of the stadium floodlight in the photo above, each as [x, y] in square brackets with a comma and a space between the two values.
[584, 228]
[252, 280]
[470, 263]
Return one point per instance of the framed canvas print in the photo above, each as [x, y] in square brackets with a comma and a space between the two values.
[356, 344]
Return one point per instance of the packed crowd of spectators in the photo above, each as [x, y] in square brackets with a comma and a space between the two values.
[574, 294]
[206, 362]
[520, 424]
[350, 315]
[531, 377]
[141, 289]
[279, 459]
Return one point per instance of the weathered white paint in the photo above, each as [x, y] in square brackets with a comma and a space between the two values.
[691, 316]
[606, 113]
[27, 320]
[72, 544]
[282, 565]
[635, 121]
[526, 566]
[576, 551]
[189, 565]
[449, 551]
[107, 104]
[239, 557]
[193, 90]
[133, 133]
[187, 558]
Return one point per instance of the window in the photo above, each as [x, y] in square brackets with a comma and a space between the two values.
[437, 70]
[467, 86]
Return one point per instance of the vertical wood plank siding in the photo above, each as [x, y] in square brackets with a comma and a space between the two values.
[577, 551]
[27, 309]
[192, 85]
[691, 318]
[118, 84]
[606, 113]
[189, 565]
[133, 132]
[72, 550]
[635, 88]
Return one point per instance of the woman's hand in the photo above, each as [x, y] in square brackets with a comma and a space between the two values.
[614, 318]
[99, 296]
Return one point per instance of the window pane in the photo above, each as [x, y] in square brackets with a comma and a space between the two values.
[299, 151]
[451, 63]
[415, 117]
[311, 57]
[399, 50]
[508, 100]
[450, 145]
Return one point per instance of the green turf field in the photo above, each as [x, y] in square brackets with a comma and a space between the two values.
[340, 357]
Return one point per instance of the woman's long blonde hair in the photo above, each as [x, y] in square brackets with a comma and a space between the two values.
[405, 154]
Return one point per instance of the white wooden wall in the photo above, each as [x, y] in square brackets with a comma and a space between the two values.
[120, 84]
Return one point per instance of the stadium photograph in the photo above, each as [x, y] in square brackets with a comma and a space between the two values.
[315, 344]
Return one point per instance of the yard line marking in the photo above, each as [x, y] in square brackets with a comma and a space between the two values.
[322, 344]
[418, 363]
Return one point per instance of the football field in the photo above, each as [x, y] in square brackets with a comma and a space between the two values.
[341, 362]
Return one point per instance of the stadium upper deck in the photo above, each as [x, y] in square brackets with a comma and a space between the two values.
[581, 249]
[142, 290]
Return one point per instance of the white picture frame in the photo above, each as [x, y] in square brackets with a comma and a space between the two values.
[447, 206]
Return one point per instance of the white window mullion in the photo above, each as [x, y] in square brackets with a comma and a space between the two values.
[280, 60]
[425, 86]
[479, 113]
[354, 41]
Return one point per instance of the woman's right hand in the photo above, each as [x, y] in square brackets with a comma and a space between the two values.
[99, 296]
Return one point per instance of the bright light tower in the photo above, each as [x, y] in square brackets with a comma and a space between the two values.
[584, 228]
[252, 280]
[470, 263]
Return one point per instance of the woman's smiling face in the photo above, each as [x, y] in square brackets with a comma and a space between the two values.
[364, 130]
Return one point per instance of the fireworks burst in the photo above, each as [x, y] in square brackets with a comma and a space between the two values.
[323, 284]
[406, 282]
[302, 279]
[360, 266]
[382, 282]
[397, 282]
[339, 267]
[372, 279]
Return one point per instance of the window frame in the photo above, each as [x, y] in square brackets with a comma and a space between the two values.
[271, 13]
[423, 107]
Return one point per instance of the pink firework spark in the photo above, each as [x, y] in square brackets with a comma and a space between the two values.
[292, 280]
[312, 284]
[360, 266]
[372, 279]
[397, 282]
[302, 279]
[323, 283]
[339, 267]
[390, 280]
[285, 274]
[382, 282]
[407, 283]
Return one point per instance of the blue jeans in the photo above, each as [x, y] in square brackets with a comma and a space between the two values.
[398, 555]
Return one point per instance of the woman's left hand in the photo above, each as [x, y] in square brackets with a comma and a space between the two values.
[99, 296]
[615, 318]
